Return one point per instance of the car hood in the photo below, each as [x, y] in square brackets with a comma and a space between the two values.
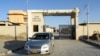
[37, 42]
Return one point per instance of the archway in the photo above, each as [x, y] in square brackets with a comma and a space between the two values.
[36, 19]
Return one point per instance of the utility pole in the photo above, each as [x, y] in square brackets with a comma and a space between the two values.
[27, 20]
[87, 20]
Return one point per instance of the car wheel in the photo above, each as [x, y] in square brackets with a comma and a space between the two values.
[28, 52]
[50, 50]
[53, 45]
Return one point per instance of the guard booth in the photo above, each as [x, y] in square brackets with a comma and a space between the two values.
[36, 20]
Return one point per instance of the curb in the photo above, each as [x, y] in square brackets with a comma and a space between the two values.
[10, 51]
[91, 43]
[5, 53]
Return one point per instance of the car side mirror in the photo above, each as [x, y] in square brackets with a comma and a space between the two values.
[29, 38]
[52, 38]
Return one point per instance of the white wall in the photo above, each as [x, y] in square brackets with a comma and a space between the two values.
[48, 29]
[35, 19]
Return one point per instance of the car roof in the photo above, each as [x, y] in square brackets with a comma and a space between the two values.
[44, 33]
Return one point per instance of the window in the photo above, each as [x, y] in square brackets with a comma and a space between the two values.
[35, 28]
[2, 24]
[40, 36]
[16, 24]
[25, 19]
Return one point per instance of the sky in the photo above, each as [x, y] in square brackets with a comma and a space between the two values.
[93, 5]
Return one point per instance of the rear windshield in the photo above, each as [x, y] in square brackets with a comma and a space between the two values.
[40, 36]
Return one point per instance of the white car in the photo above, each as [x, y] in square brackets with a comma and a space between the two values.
[40, 43]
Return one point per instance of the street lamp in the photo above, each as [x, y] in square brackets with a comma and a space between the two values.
[27, 20]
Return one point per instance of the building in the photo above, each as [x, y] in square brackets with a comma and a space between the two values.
[93, 27]
[17, 17]
[36, 18]
[36, 21]
[49, 29]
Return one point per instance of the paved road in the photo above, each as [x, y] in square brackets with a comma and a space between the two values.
[67, 48]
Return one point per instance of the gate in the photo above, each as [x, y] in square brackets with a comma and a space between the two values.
[67, 31]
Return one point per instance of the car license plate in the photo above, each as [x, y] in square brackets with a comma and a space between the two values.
[35, 51]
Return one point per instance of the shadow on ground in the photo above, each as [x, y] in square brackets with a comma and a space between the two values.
[63, 37]
[85, 40]
[23, 52]
[14, 44]
[17, 47]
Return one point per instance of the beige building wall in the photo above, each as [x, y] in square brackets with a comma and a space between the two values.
[13, 31]
[17, 16]
[82, 31]
[94, 27]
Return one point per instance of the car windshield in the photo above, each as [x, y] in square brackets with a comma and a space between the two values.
[40, 36]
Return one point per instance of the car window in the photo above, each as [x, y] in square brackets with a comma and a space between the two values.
[40, 36]
[51, 35]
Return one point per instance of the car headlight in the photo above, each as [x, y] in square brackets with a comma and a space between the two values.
[45, 46]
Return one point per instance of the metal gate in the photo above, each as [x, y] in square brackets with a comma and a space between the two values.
[67, 31]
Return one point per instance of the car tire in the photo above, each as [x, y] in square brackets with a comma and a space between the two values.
[28, 52]
[51, 51]
[53, 45]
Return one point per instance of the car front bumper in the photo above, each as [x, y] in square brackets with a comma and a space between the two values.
[41, 51]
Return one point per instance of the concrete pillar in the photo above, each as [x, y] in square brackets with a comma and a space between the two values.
[29, 24]
[76, 23]
[6, 23]
[72, 20]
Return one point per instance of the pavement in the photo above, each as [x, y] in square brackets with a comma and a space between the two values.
[66, 47]
[7, 46]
